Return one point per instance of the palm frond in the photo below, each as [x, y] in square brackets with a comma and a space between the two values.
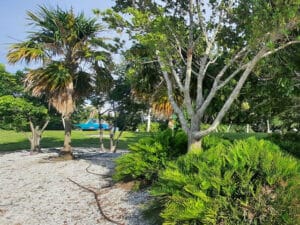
[28, 51]
[62, 41]
[82, 84]
[50, 79]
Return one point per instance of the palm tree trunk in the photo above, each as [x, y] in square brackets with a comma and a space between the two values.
[65, 105]
[66, 151]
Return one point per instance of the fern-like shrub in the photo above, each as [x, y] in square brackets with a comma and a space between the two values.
[149, 155]
[247, 182]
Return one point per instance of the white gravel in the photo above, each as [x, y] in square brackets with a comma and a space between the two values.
[35, 190]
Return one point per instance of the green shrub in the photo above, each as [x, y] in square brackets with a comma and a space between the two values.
[212, 141]
[248, 182]
[241, 136]
[154, 127]
[289, 142]
[149, 155]
[143, 162]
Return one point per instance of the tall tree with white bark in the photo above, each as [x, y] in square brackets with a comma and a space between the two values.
[217, 42]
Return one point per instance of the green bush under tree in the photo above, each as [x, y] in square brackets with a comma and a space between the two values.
[248, 182]
[149, 155]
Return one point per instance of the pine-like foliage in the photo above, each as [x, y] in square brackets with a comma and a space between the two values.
[149, 155]
[247, 182]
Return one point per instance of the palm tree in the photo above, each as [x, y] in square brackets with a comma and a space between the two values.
[66, 46]
[147, 82]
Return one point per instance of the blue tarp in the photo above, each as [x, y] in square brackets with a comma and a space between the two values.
[92, 124]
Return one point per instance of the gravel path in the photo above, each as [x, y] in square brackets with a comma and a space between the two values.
[35, 189]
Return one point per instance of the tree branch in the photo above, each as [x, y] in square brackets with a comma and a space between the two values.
[233, 95]
[175, 74]
[177, 45]
[200, 77]
[201, 108]
[97, 201]
[222, 84]
[31, 125]
[171, 95]
[45, 125]
[201, 21]
[280, 48]
[189, 61]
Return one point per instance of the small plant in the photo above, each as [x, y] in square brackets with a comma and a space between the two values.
[247, 182]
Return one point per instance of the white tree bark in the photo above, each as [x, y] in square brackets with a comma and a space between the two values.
[148, 129]
[36, 136]
[268, 127]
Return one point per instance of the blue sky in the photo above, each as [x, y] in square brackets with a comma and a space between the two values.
[14, 25]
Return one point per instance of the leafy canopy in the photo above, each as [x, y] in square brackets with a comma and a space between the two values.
[18, 112]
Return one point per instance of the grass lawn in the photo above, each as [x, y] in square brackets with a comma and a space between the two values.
[11, 140]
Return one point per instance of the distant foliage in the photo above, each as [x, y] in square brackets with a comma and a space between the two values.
[149, 155]
[154, 127]
[224, 128]
[247, 182]
[290, 142]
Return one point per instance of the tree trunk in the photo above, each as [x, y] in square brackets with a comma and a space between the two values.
[113, 149]
[35, 140]
[149, 120]
[111, 137]
[194, 144]
[268, 127]
[114, 141]
[101, 132]
[36, 136]
[66, 151]
[228, 128]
